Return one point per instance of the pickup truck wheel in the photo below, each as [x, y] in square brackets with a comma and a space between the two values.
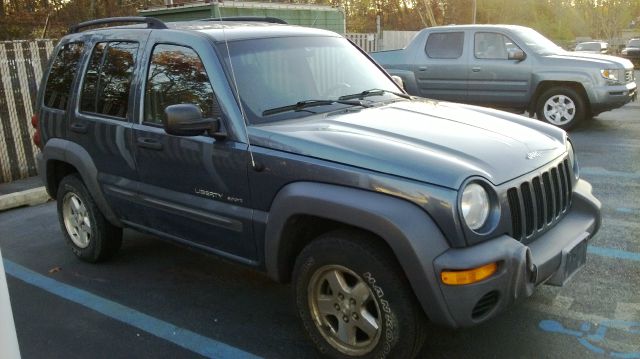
[354, 300]
[91, 237]
[562, 107]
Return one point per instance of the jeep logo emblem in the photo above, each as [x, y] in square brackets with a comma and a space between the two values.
[534, 154]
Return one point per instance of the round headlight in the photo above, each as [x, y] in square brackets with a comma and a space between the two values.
[572, 155]
[573, 162]
[475, 206]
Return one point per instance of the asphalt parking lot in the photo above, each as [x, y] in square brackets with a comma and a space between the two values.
[157, 300]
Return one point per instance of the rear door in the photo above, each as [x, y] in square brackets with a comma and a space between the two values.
[194, 188]
[441, 68]
[494, 80]
[103, 111]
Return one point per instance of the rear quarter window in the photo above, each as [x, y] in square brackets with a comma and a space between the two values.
[63, 71]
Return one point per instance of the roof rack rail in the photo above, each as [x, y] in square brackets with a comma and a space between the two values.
[270, 19]
[152, 23]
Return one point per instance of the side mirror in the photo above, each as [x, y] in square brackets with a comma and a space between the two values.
[516, 54]
[186, 120]
[398, 81]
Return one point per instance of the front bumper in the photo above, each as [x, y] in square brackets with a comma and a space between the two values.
[605, 98]
[520, 267]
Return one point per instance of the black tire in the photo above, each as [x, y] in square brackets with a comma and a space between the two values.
[571, 107]
[391, 302]
[102, 239]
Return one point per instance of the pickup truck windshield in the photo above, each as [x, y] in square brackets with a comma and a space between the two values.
[634, 43]
[278, 72]
[538, 43]
[589, 46]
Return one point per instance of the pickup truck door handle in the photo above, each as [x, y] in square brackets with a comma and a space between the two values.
[422, 68]
[79, 128]
[149, 143]
[476, 69]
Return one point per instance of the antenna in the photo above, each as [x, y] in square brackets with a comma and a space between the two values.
[235, 89]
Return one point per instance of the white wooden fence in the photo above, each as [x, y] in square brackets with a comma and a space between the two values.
[366, 41]
[390, 40]
[21, 66]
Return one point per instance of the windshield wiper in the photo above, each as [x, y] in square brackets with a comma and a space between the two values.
[372, 92]
[300, 105]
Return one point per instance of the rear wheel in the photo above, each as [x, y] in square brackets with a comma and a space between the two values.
[563, 107]
[354, 300]
[91, 237]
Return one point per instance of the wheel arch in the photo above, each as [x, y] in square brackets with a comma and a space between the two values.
[545, 85]
[408, 231]
[61, 158]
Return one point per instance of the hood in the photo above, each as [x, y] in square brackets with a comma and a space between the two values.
[605, 61]
[436, 142]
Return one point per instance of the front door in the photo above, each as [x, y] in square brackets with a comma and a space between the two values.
[494, 80]
[193, 188]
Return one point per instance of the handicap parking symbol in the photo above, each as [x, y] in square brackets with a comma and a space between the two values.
[595, 340]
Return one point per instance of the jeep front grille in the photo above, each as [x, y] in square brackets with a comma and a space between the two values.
[539, 203]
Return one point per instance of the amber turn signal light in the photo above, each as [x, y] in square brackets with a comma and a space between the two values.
[468, 276]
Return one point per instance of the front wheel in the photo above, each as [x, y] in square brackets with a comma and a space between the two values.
[354, 300]
[561, 106]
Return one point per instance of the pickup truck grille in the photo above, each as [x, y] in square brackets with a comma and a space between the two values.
[540, 202]
[628, 76]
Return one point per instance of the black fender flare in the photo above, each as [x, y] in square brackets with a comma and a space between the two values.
[408, 230]
[76, 156]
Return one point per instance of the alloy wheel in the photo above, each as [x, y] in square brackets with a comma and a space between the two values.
[76, 220]
[559, 110]
[345, 310]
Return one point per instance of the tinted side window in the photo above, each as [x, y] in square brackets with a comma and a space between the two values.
[88, 94]
[445, 45]
[107, 81]
[177, 75]
[489, 45]
[63, 71]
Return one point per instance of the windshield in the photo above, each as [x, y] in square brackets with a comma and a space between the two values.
[280, 72]
[634, 43]
[538, 43]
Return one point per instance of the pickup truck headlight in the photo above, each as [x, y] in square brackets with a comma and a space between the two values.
[474, 206]
[624, 51]
[612, 75]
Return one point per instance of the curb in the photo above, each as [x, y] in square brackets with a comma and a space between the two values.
[30, 197]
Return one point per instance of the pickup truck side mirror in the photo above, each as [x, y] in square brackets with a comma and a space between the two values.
[186, 120]
[516, 54]
[398, 81]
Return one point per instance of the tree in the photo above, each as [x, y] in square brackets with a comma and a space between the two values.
[557, 19]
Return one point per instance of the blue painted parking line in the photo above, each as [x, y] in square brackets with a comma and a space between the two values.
[594, 338]
[614, 253]
[182, 337]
